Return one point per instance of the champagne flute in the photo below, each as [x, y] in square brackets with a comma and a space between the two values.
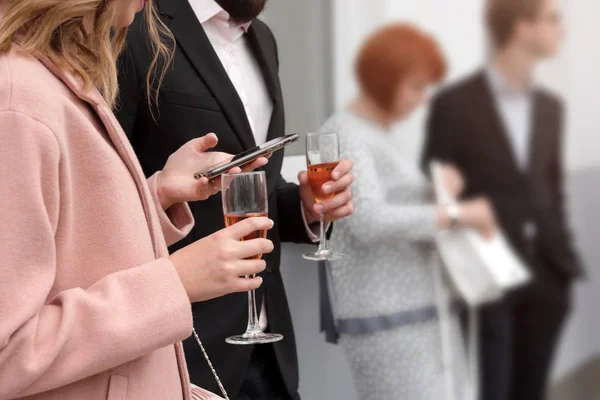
[322, 156]
[245, 196]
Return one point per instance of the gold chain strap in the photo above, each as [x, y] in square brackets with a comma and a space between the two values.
[212, 369]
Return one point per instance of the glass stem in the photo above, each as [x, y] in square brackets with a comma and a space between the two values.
[253, 326]
[323, 240]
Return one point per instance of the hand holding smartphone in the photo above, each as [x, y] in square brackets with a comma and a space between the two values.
[246, 157]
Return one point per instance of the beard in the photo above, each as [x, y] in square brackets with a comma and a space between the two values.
[242, 11]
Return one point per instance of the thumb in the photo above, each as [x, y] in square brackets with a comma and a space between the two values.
[204, 143]
[303, 177]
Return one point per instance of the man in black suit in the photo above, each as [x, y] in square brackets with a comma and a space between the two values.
[505, 135]
[224, 79]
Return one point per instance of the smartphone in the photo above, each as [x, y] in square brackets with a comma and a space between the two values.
[247, 156]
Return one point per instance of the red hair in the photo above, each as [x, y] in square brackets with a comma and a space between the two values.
[390, 55]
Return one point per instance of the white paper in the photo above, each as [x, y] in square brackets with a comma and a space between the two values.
[482, 270]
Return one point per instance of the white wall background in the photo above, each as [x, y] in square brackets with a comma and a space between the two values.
[324, 373]
[575, 75]
[305, 62]
[581, 63]
[458, 30]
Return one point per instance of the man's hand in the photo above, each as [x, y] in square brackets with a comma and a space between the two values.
[176, 183]
[337, 207]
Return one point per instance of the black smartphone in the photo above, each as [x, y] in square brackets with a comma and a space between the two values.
[247, 156]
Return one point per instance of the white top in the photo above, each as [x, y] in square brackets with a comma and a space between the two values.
[515, 110]
[231, 45]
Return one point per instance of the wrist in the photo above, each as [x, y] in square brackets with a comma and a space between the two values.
[165, 201]
[454, 213]
[176, 261]
[309, 215]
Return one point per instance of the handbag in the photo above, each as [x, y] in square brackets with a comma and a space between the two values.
[202, 394]
[482, 271]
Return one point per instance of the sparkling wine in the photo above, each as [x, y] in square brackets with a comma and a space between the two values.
[234, 218]
[318, 175]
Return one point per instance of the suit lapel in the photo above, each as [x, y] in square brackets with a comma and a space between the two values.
[494, 127]
[192, 39]
[269, 69]
[263, 49]
[537, 132]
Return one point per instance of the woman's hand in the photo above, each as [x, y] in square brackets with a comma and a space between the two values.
[453, 180]
[176, 182]
[479, 215]
[216, 265]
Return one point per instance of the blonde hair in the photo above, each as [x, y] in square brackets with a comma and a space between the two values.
[55, 30]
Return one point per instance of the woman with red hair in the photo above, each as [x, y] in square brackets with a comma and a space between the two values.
[393, 310]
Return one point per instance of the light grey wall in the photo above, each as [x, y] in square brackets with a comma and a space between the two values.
[302, 30]
[581, 340]
[324, 371]
[303, 33]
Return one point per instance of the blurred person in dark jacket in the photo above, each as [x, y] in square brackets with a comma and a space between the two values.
[505, 134]
[225, 79]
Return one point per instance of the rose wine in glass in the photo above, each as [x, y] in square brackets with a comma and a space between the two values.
[234, 218]
[318, 175]
[245, 196]
[322, 157]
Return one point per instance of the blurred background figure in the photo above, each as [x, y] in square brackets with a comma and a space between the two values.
[316, 72]
[388, 289]
[506, 135]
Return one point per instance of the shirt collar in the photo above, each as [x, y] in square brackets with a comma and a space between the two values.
[206, 10]
[500, 85]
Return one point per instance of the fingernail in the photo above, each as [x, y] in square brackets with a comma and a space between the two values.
[272, 223]
[319, 208]
[327, 188]
[336, 175]
[214, 135]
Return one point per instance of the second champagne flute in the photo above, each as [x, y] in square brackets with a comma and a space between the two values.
[245, 196]
[322, 157]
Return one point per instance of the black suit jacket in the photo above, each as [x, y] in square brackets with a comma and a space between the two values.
[465, 128]
[196, 98]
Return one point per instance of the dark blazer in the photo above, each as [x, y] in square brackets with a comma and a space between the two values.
[197, 97]
[465, 128]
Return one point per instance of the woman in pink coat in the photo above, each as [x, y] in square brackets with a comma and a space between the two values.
[91, 304]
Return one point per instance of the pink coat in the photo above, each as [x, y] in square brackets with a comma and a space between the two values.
[90, 305]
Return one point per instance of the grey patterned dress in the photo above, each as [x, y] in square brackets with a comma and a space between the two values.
[383, 292]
